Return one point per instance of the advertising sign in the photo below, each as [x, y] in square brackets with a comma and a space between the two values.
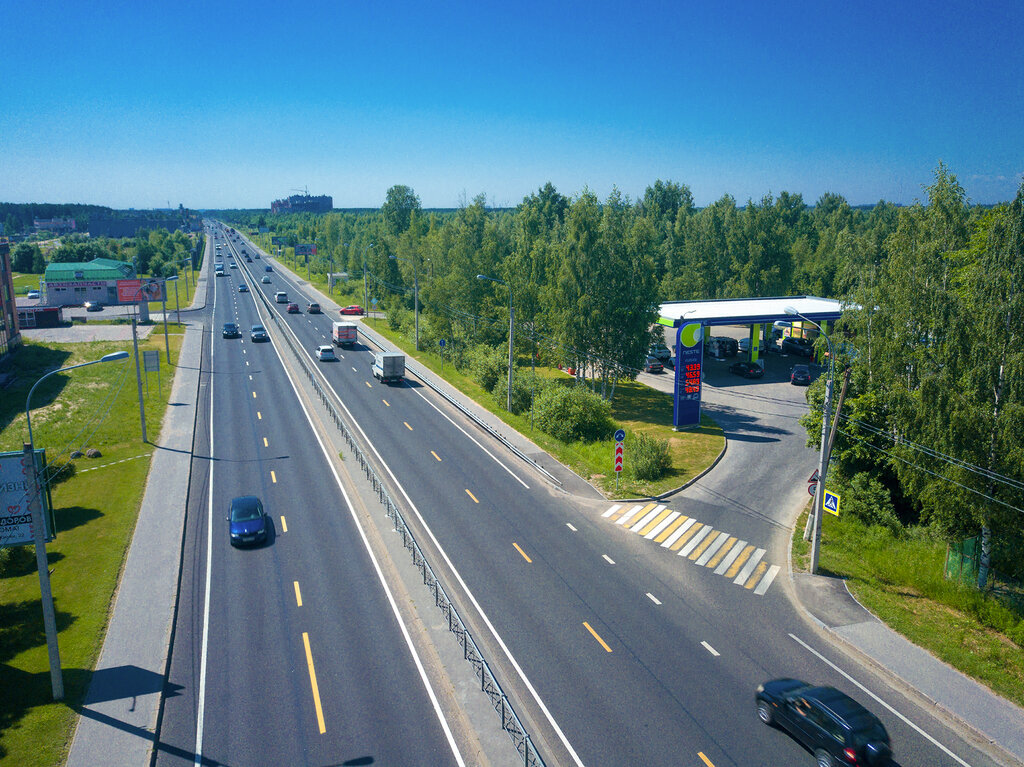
[15, 501]
[305, 250]
[689, 365]
[282, 241]
[128, 291]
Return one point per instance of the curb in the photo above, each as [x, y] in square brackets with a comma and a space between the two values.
[690, 481]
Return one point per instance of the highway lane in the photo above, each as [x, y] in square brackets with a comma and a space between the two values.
[305, 663]
[660, 692]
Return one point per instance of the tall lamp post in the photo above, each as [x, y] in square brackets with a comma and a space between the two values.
[39, 535]
[366, 293]
[163, 293]
[511, 332]
[819, 496]
[416, 294]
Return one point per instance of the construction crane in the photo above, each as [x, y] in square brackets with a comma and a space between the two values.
[305, 191]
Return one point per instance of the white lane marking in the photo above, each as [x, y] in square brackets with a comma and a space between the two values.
[662, 525]
[612, 510]
[692, 543]
[647, 518]
[710, 649]
[380, 573]
[570, 527]
[767, 580]
[354, 370]
[726, 563]
[678, 533]
[608, 559]
[629, 514]
[748, 568]
[714, 547]
[653, 598]
[864, 689]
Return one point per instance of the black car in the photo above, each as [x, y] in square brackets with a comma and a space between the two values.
[800, 375]
[93, 306]
[231, 330]
[830, 724]
[746, 369]
[803, 347]
[653, 365]
[247, 521]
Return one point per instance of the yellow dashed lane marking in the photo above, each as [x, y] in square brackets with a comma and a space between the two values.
[368, 385]
[522, 552]
[721, 553]
[284, 525]
[312, 682]
[743, 557]
[670, 529]
[265, 442]
[471, 496]
[407, 425]
[386, 402]
[259, 416]
[686, 536]
[704, 759]
[254, 395]
[756, 576]
[598, 638]
[435, 455]
[273, 477]
[298, 594]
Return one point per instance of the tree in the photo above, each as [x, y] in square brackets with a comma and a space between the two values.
[24, 257]
[398, 208]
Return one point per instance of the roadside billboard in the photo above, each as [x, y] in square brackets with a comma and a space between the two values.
[305, 250]
[128, 290]
[282, 241]
[15, 500]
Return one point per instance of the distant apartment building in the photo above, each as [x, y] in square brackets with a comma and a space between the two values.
[129, 223]
[303, 203]
[10, 336]
[55, 225]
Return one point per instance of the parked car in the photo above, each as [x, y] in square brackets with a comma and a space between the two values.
[803, 347]
[653, 365]
[351, 309]
[243, 288]
[830, 724]
[747, 369]
[258, 333]
[325, 353]
[32, 294]
[231, 330]
[93, 306]
[247, 521]
[660, 351]
[293, 308]
[800, 375]
[313, 308]
[266, 279]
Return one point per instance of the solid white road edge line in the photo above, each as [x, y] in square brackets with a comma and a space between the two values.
[377, 568]
[932, 740]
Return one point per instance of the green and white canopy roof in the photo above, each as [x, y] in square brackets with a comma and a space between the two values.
[750, 311]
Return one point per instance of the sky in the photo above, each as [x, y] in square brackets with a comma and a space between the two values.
[225, 105]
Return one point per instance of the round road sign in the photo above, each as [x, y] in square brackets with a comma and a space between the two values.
[620, 435]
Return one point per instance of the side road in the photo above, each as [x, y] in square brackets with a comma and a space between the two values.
[118, 719]
[825, 601]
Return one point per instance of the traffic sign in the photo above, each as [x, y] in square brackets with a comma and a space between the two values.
[620, 435]
[815, 476]
[441, 343]
[618, 457]
[832, 502]
[811, 487]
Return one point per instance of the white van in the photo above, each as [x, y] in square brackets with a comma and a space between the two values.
[281, 297]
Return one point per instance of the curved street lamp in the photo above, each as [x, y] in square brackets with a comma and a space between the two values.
[39, 534]
[819, 496]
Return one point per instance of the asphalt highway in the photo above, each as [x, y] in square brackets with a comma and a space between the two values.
[623, 644]
[288, 652]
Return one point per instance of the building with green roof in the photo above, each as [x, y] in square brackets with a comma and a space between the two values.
[73, 284]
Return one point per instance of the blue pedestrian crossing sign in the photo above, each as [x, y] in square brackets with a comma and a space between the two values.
[832, 502]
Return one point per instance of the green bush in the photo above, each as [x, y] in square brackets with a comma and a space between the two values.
[572, 413]
[489, 366]
[649, 458]
[867, 499]
[522, 394]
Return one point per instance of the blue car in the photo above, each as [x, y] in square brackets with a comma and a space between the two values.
[247, 522]
[267, 269]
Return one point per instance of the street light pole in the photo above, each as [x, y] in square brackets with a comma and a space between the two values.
[163, 296]
[416, 294]
[819, 496]
[511, 333]
[366, 293]
[39, 535]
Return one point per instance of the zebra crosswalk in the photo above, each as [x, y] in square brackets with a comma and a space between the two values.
[717, 550]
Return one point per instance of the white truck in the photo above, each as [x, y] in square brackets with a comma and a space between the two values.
[344, 333]
[388, 366]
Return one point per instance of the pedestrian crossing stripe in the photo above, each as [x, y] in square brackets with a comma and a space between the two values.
[717, 550]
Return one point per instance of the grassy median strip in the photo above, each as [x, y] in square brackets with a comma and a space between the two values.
[96, 504]
[900, 579]
[636, 407]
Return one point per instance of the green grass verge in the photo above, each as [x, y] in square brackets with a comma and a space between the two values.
[900, 579]
[635, 407]
[95, 513]
[23, 283]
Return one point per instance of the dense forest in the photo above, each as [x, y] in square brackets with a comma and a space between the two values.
[157, 252]
[929, 437]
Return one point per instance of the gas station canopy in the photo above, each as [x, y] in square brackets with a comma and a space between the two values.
[749, 311]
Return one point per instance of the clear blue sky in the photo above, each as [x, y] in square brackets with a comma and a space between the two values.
[233, 105]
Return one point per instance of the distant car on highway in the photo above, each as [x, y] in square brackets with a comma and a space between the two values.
[255, 255]
[313, 308]
[746, 369]
[830, 724]
[325, 353]
[258, 333]
[247, 521]
[243, 288]
[268, 268]
[293, 308]
[233, 265]
[351, 309]
[653, 365]
[266, 279]
[800, 375]
[231, 330]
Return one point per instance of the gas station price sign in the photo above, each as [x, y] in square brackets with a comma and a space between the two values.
[689, 365]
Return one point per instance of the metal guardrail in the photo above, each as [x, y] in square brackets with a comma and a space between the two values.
[489, 685]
